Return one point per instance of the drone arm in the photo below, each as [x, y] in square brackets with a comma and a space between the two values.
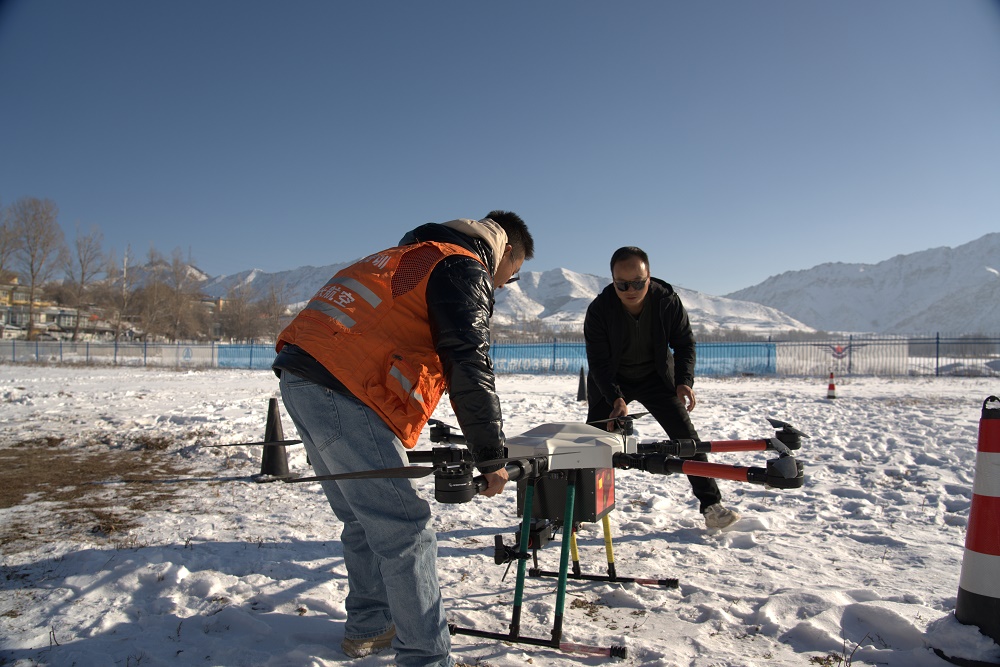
[739, 446]
[686, 448]
[516, 470]
[783, 473]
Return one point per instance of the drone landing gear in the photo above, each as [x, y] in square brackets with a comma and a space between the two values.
[521, 556]
[611, 576]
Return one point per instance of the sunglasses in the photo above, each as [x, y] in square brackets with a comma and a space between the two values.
[514, 278]
[623, 285]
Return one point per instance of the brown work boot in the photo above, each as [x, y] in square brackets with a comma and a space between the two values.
[359, 648]
[718, 517]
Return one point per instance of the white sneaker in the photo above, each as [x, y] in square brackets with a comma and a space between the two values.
[359, 648]
[717, 516]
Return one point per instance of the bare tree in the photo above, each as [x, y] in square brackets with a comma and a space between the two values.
[117, 293]
[273, 308]
[170, 299]
[188, 319]
[8, 245]
[151, 295]
[83, 264]
[239, 315]
[41, 245]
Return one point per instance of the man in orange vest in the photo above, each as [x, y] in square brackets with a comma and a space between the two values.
[362, 368]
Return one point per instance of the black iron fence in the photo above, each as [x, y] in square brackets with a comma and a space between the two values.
[934, 355]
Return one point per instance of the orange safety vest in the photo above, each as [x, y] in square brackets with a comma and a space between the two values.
[369, 326]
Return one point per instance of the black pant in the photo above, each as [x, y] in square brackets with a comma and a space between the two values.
[662, 403]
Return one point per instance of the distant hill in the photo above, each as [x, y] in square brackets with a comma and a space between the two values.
[947, 290]
[558, 298]
[298, 285]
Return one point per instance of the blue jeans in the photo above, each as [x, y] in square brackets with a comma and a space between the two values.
[389, 550]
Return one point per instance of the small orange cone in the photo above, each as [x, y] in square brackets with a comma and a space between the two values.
[831, 389]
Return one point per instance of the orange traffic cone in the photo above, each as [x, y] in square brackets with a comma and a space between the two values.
[978, 600]
[831, 389]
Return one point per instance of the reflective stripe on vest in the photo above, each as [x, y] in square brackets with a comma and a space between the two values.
[346, 295]
[406, 383]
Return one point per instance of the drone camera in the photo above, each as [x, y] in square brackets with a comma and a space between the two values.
[502, 554]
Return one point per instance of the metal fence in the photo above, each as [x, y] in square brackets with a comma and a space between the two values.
[934, 355]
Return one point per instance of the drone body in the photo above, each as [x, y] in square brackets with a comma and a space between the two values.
[571, 446]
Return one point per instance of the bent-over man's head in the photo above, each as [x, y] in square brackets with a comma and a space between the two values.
[520, 246]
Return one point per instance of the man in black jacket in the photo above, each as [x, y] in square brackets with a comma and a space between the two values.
[630, 330]
[361, 368]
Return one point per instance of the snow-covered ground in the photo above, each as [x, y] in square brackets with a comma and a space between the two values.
[860, 565]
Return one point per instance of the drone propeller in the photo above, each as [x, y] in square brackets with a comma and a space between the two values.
[406, 472]
[273, 443]
[614, 419]
[780, 447]
[777, 423]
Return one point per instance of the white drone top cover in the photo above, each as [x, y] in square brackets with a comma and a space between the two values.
[570, 445]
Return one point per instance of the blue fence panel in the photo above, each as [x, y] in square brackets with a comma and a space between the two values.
[736, 359]
[551, 357]
[245, 356]
[748, 358]
[890, 356]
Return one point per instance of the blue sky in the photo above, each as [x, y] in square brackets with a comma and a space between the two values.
[732, 140]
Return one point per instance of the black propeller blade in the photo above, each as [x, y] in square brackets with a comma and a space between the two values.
[777, 423]
[407, 472]
[252, 444]
[614, 419]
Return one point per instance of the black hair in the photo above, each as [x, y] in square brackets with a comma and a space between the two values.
[625, 253]
[518, 235]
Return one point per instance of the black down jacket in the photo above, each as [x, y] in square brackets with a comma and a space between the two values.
[460, 305]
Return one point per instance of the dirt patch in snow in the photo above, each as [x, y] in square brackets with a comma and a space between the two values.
[82, 486]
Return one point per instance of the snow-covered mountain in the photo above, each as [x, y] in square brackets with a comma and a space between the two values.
[558, 298]
[295, 286]
[947, 290]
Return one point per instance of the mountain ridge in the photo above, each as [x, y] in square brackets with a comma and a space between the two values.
[951, 290]
[954, 290]
[558, 298]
